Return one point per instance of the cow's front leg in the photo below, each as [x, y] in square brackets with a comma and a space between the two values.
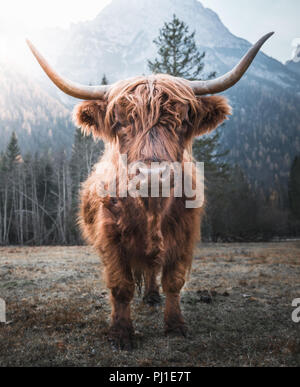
[173, 280]
[121, 284]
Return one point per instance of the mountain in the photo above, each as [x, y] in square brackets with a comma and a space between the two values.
[294, 64]
[263, 135]
[119, 41]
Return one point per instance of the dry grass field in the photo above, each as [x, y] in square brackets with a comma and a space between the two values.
[237, 304]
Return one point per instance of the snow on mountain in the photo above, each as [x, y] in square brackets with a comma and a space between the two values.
[294, 63]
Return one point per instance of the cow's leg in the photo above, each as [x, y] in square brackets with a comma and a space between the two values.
[151, 294]
[121, 284]
[173, 279]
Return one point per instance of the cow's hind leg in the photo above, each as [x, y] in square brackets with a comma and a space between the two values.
[173, 279]
[121, 284]
[151, 294]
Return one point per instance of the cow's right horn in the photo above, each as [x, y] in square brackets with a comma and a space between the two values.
[71, 88]
[232, 77]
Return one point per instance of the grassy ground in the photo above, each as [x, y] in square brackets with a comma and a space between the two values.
[237, 304]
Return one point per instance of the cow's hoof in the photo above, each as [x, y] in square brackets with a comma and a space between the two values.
[176, 330]
[122, 343]
[152, 298]
[122, 339]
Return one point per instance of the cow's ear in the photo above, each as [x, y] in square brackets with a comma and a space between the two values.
[211, 112]
[90, 116]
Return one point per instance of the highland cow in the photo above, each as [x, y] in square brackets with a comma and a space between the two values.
[150, 120]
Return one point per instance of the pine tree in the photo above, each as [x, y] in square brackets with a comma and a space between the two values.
[217, 176]
[294, 188]
[177, 52]
[3, 161]
[205, 149]
[85, 152]
[104, 80]
[13, 153]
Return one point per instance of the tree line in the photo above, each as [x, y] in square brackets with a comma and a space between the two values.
[39, 196]
[39, 193]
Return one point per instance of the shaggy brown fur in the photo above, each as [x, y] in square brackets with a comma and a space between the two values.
[148, 119]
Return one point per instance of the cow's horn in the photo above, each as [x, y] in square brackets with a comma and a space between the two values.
[232, 77]
[71, 88]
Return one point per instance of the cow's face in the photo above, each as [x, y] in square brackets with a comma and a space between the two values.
[152, 119]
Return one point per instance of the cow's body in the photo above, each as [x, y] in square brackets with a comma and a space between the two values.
[145, 236]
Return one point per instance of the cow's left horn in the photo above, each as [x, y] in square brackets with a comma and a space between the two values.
[71, 88]
[232, 77]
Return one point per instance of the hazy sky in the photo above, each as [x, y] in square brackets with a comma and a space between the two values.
[252, 18]
[246, 18]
